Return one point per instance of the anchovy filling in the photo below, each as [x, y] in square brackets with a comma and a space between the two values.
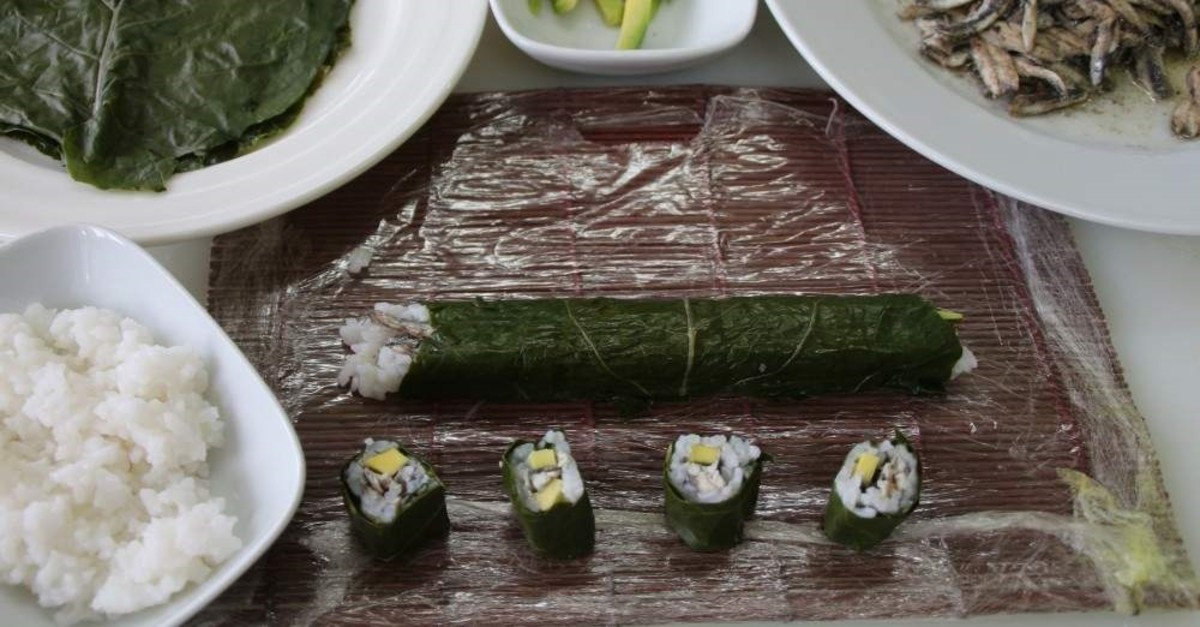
[384, 480]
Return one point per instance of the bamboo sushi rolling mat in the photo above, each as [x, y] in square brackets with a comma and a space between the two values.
[704, 192]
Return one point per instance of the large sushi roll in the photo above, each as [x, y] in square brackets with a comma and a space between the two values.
[711, 486]
[643, 350]
[395, 500]
[877, 487]
[548, 496]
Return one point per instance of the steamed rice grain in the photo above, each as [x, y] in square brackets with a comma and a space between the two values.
[104, 439]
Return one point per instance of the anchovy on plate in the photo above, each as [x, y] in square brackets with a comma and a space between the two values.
[1047, 55]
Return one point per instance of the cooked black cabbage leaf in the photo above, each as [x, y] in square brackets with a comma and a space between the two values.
[128, 92]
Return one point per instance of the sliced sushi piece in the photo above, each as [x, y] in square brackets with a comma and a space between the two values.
[548, 496]
[711, 486]
[634, 352]
[877, 487]
[394, 499]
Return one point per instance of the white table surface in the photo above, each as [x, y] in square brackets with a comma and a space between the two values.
[1148, 285]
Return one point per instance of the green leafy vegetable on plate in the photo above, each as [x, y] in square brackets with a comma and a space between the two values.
[129, 92]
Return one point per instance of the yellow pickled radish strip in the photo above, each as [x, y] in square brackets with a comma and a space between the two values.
[549, 495]
[387, 462]
[865, 466]
[701, 454]
[543, 458]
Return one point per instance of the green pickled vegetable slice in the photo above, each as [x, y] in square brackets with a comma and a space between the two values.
[564, 6]
[635, 22]
[612, 11]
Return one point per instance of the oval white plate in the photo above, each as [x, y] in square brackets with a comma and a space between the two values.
[1113, 162]
[404, 59]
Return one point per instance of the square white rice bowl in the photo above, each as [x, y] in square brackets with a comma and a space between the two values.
[77, 266]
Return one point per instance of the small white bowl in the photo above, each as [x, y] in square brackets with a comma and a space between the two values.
[684, 33]
[75, 266]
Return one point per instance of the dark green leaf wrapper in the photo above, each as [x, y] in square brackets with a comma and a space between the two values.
[842, 526]
[131, 91]
[419, 520]
[628, 351]
[711, 526]
[564, 532]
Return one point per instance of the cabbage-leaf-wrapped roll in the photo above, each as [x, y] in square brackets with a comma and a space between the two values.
[548, 496]
[645, 350]
[711, 486]
[395, 500]
[878, 486]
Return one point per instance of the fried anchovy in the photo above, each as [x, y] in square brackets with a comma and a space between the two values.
[1029, 24]
[1150, 74]
[1030, 69]
[1067, 41]
[996, 68]
[986, 13]
[1106, 39]
[1152, 7]
[1185, 121]
[1187, 14]
[1129, 14]
[1035, 104]
[1073, 77]
[918, 8]
[953, 60]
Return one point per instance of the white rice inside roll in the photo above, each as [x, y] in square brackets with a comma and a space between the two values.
[878, 479]
[384, 480]
[966, 363]
[382, 346]
[711, 469]
[546, 472]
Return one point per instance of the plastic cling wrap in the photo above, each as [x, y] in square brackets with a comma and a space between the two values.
[1040, 489]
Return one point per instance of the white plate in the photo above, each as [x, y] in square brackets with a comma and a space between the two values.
[681, 35]
[1112, 162]
[75, 266]
[405, 57]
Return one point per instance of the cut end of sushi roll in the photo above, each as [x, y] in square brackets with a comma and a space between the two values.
[966, 363]
[546, 473]
[711, 486]
[711, 469]
[384, 480]
[876, 488]
[548, 496]
[393, 498]
[382, 348]
[878, 479]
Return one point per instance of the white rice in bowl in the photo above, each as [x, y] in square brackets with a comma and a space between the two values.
[104, 440]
